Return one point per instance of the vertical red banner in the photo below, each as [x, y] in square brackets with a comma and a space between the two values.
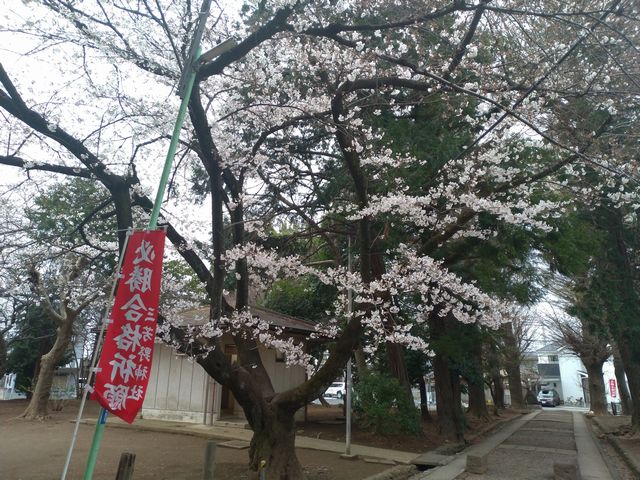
[125, 362]
[613, 391]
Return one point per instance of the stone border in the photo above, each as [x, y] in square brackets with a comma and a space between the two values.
[399, 472]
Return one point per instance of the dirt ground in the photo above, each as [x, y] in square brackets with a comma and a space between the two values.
[619, 427]
[328, 423]
[37, 451]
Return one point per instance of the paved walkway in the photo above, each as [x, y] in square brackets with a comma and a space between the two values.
[528, 448]
[238, 433]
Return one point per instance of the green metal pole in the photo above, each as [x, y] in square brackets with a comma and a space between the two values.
[95, 444]
[153, 223]
[155, 213]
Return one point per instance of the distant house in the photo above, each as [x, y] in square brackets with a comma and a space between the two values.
[8, 387]
[64, 385]
[563, 371]
[180, 390]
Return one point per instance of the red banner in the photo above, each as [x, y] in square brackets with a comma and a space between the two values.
[125, 362]
[613, 393]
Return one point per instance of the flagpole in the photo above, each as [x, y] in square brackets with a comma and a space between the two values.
[188, 74]
[94, 360]
[349, 386]
[153, 223]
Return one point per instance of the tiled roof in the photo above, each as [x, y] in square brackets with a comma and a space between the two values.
[199, 316]
[550, 347]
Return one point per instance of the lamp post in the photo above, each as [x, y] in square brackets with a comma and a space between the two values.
[348, 382]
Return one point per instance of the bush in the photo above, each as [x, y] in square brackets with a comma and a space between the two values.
[382, 405]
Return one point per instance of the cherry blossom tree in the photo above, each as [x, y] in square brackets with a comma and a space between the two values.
[296, 121]
[62, 277]
[75, 293]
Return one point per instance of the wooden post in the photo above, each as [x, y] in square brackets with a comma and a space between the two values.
[209, 459]
[125, 467]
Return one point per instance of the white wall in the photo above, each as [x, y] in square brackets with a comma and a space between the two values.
[282, 376]
[571, 380]
[177, 388]
[609, 373]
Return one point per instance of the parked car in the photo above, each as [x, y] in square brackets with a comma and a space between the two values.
[548, 398]
[337, 390]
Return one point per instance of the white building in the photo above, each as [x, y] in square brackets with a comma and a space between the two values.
[563, 371]
[8, 387]
[180, 390]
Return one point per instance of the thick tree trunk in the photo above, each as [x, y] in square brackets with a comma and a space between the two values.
[477, 400]
[424, 401]
[493, 360]
[273, 445]
[625, 328]
[447, 424]
[512, 366]
[398, 367]
[596, 386]
[39, 403]
[475, 383]
[515, 386]
[447, 385]
[623, 390]
[632, 367]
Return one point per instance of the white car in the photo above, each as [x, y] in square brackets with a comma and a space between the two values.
[337, 390]
[548, 398]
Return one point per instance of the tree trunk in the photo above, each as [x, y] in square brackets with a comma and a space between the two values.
[477, 400]
[361, 362]
[458, 413]
[398, 367]
[273, 445]
[475, 383]
[515, 387]
[530, 397]
[632, 367]
[448, 407]
[394, 352]
[623, 390]
[596, 387]
[498, 387]
[625, 328]
[494, 364]
[3, 355]
[512, 366]
[447, 424]
[424, 401]
[39, 403]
